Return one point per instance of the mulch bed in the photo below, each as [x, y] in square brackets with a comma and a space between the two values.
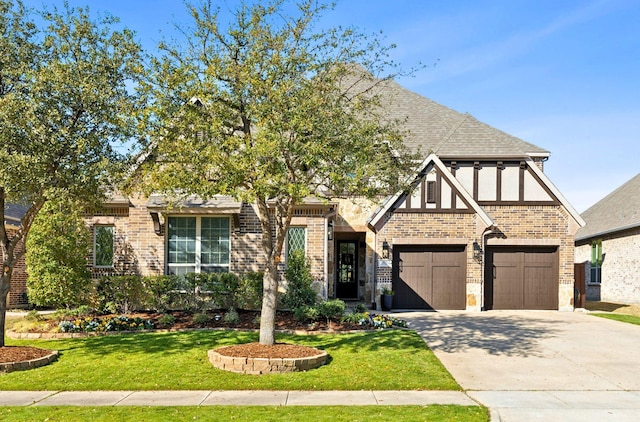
[278, 350]
[10, 354]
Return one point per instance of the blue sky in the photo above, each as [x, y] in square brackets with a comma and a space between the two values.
[563, 75]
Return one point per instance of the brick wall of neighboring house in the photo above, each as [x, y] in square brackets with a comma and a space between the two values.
[620, 268]
[17, 297]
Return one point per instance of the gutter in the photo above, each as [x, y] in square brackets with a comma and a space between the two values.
[605, 232]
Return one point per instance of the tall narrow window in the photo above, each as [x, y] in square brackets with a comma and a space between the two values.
[296, 240]
[103, 246]
[431, 191]
[198, 244]
[596, 261]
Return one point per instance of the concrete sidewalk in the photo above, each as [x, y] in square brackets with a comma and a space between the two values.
[232, 398]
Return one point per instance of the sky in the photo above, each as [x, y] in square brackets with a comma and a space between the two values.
[563, 75]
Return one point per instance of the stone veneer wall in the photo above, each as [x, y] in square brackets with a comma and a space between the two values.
[620, 268]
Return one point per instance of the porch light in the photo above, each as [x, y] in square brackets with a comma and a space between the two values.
[477, 252]
[385, 250]
[330, 230]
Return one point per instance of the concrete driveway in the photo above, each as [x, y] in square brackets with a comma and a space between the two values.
[551, 365]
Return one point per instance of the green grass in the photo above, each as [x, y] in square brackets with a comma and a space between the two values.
[377, 360]
[247, 413]
[630, 319]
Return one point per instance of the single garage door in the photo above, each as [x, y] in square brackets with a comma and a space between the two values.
[521, 278]
[429, 277]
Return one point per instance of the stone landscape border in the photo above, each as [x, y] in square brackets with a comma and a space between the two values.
[29, 364]
[258, 366]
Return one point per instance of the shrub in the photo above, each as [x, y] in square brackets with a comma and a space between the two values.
[200, 319]
[160, 291]
[305, 313]
[250, 291]
[355, 318]
[231, 317]
[332, 309]
[360, 308]
[299, 282]
[116, 294]
[56, 255]
[166, 320]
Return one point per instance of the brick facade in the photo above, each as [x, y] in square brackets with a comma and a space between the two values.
[620, 274]
[17, 297]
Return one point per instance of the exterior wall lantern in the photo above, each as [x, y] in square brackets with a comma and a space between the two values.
[385, 250]
[477, 252]
[330, 230]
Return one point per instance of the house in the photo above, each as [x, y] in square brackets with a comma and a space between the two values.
[17, 297]
[482, 226]
[609, 245]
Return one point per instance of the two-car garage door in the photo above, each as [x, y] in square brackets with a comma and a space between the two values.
[434, 277]
[429, 277]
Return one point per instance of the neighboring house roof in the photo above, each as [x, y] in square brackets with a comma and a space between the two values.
[13, 214]
[620, 210]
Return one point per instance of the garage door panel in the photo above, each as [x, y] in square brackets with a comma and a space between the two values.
[507, 292]
[539, 289]
[447, 291]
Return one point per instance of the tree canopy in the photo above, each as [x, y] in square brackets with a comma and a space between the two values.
[65, 101]
[266, 105]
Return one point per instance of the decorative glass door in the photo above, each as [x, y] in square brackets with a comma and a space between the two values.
[347, 269]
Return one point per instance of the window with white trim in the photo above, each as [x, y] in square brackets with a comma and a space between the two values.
[103, 246]
[198, 244]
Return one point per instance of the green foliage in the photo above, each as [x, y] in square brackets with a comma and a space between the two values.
[332, 309]
[231, 316]
[250, 291]
[120, 294]
[278, 109]
[161, 291]
[306, 313]
[360, 308]
[65, 101]
[201, 318]
[166, 320]
[57, 250]
[355, 317]
[299, 282]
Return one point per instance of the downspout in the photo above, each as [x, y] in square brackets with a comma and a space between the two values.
[489, 230]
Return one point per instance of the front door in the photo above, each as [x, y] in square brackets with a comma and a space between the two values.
[347, 277]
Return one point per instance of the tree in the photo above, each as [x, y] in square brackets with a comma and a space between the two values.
[57, 249]
[271, 110]
[63, 103]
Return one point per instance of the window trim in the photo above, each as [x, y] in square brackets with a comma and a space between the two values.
[197, 265]
[95, 243]
[595, 264]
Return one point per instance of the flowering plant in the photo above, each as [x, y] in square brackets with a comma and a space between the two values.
[119, 323]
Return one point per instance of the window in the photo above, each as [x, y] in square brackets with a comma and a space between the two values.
[431, 192]
[296, 240]
[198, 244]
[596, 261]
[103, 246]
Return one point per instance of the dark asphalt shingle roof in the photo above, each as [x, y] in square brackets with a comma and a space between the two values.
[615, 212]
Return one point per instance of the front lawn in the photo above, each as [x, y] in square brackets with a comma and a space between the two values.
[247, 413]
[374, 360]
[630, 319]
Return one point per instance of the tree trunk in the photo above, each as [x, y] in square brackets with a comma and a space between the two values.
[5, 284]
[269, 304]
